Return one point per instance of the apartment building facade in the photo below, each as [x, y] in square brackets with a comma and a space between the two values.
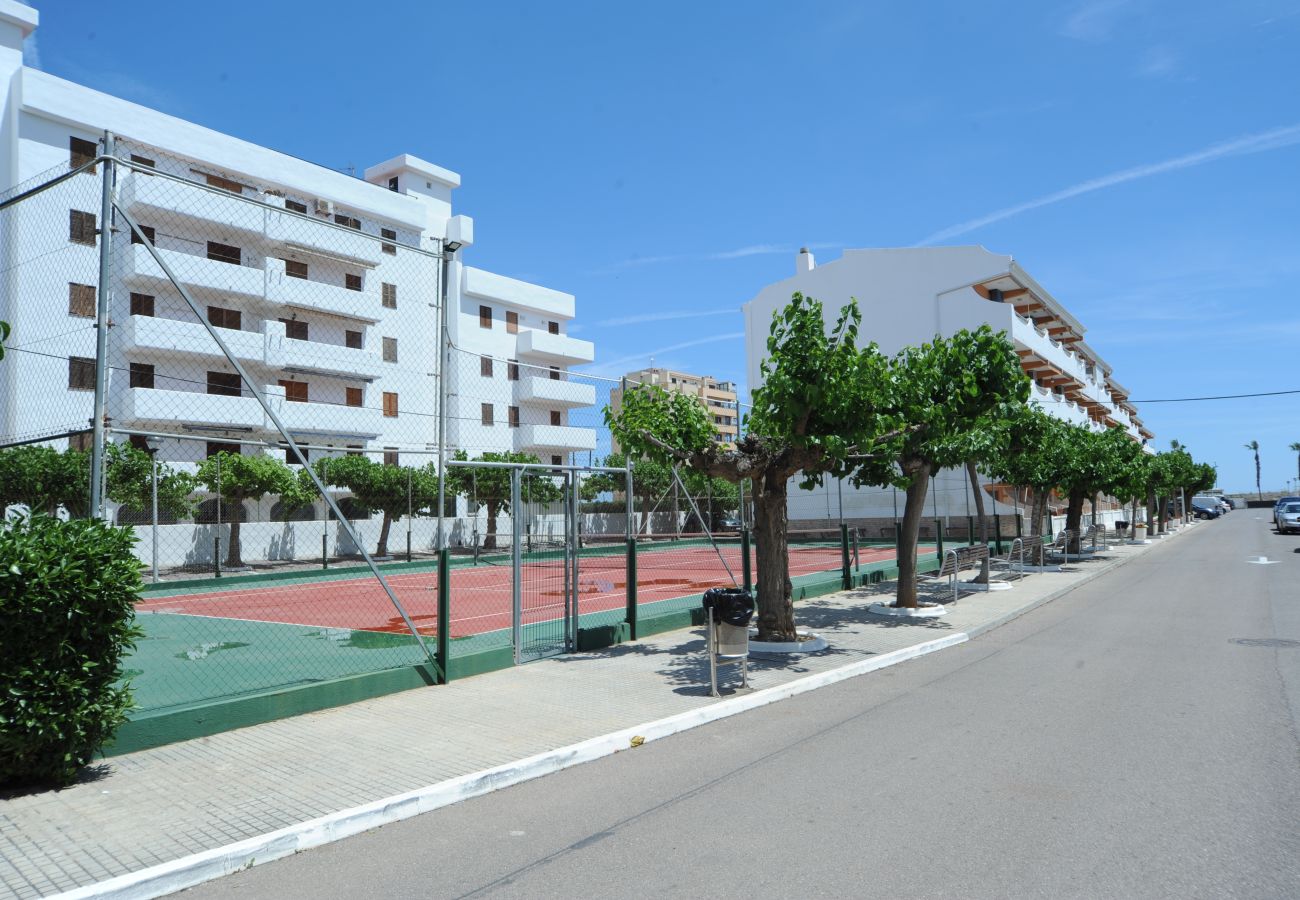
[719, 398]
[907, 296]
[326, 287]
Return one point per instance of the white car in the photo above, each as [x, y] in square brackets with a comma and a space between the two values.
[1288, 518]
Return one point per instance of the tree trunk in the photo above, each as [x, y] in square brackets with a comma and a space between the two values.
[234, 558]
[1074, 519]
[382, 549]
[490, 539]
[1151, 512]
[983, 577]
[775, 603]
[1036, 526]
[913, 511]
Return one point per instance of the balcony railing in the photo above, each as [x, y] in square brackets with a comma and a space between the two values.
[318, 297]
[224, 278]
[556, 437]
[556, 348]
[145, 406]
[172, 337]
[150, 196]
[291, 231]
[537, 390]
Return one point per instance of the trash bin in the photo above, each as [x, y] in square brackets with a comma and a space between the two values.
[728, 612]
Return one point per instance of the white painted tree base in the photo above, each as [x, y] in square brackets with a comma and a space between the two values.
[921, 612]
[1042, 568]
[991, 586]
[811, 644]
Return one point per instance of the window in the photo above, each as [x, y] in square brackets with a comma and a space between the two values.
[485, 366]
[352, 282]
[225, 184]
[512, 323]
[295, 329]
[224, 384]
[142, 161]
[84, 440]
[352, 396]
[390, 349]
[295, 391]
[81, 300]
[81, 373]
[392, 183]
[485, 317]
[555, 417]
[139, 442]
[295, 269]
[390, 404]
[215, 447]
[553, 327]
[81, 151]
[81, 227]
[148, 232]
[295, 206]
[391, 234]
[354, 450]
[486, 413]
[555, 373]
[352, 339]
[557, 459]
[347, 221]
[141, 375]
[391, 456]
[514, 417]
[512, 370]
[224, 253]
[389, 295]
[141, 304]
[220, 317]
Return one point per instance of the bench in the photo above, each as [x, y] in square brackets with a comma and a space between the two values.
[954, 561]
[1060, 546]
[1097, 534]
[1013, 560]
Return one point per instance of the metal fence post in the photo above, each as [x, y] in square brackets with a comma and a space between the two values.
[100, 413]
[846, 573]
[516, 570]
[153, 475]
[444, 613]
[997, 532]
[216, 539]
[938, 531]
[746, 567]
[970, 531]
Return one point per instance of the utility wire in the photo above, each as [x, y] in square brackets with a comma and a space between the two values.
[1221, 397]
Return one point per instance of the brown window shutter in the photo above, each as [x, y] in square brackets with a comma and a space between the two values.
[353, 396]
[390, 349]
[390, 404]
[141, 304]
[81, 300]
[512, 323]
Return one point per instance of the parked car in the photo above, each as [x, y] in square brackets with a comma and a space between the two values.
[1288, 518]
[1227, 501]
[1278, 505]
[1204, 510]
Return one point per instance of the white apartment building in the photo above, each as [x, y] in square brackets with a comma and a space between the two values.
[325, 286]
[907, 296]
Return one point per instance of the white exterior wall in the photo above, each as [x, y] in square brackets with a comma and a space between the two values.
[906, 297]
[38, 115]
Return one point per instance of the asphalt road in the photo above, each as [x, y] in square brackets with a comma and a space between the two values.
[1137, 738]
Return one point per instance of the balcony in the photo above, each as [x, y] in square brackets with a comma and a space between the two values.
[325, 418]
[317, 297]
[325, 238]
[1024, 334]
[161, 202]
[146, 406]
[555, 438]
[539, 391]
[171, 337]
[311, 356]
[223, 278]
[555, 348]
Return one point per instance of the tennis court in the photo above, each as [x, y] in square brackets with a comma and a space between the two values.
[203, 643]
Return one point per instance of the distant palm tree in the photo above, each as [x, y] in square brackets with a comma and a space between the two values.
[1296, 448]
[1254, 445]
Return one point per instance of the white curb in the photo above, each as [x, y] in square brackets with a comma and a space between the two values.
[210, 864]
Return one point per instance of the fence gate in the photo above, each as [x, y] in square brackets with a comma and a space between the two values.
[546, 562]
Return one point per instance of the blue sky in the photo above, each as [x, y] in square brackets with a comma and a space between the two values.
[663, 162]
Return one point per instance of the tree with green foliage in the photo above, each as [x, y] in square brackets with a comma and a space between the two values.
[1294, 447]
[390, 489]
[1253, 446]
[651, 479]
[817, 413]
[1034, 458]
[954, 395]
[130, 482]
[4, 336]
[237, 477]
[1094, 464]
[45, 479]
[489, 487]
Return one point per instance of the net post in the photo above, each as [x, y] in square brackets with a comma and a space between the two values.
[631, 615]
[443, 652]
[938, 536]
[746, 567]
[970, 531]
[846, 572]
[516, 570]
[100, 414]
[324, 551]
[997, 532]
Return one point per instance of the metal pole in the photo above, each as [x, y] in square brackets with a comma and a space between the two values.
[444, 613]
[742, 503]
[839, 490]
[689, 499]
[575, 537]
[216, 540]
[324, 524]
[444, 360]
[153, 465]
[516, 570]
[98, 420]
[408, 513]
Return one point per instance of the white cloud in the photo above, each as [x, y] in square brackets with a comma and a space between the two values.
[715, 256]
[1159, 62]
[1094, 21]
[666, 317]
[611, 367]
[1259, 142]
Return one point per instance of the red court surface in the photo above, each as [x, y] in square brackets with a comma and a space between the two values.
[481, 595]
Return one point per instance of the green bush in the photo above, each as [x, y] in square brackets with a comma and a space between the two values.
[67, 608]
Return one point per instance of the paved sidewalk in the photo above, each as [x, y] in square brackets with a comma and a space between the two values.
[159, 806]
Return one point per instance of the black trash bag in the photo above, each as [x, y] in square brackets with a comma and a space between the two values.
[734, 606]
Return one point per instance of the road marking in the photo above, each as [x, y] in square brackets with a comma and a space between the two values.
[1262, 561]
